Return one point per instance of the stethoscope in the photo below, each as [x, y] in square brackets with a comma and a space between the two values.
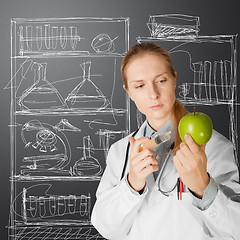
[164, 192]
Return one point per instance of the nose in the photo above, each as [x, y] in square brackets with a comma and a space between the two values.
[153, 92]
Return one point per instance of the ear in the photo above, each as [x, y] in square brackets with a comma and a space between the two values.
[175, 80]
[126, 89]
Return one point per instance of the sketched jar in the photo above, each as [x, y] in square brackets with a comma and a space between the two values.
[87, 165]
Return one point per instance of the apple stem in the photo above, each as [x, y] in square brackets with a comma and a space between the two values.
[194, 110]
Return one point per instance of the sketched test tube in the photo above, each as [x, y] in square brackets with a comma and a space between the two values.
[197, 86]
[72, 204]
[61, 205]
[52, 205]
[208, 77]
[39, 37]
[228, 79]
[54, 37]
[21, 40]
[32, 206]
[42, 210]
[63, 37]
[74, 37]
[29, 38]
[47, 36]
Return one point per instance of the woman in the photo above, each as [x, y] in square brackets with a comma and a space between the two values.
[144, 203]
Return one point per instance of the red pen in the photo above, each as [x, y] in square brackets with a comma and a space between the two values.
[181, 190]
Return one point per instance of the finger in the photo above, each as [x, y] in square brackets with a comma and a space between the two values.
[149, 161]
[146, 153]
[185, 150]
[180, 156]
[148, 170]
[177, 163]
[139, 142]
[131, 141]
[142, 156]
[135, 144]
[191, 143]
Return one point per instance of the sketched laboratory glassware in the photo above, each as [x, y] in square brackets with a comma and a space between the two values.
[185, 87]
[47, 36]
[29, 35]
[21, 40]
[86, 95]
[210, 67]
[42, 95]
[48, 208]
[87, 165]
[52, 107]
[63, 37]
[73, 37]
[39, 37]
[173, 25]
[54, 37]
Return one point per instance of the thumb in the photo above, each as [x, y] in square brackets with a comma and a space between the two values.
[132, 141]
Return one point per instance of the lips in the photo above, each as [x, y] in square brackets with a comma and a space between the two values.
[157, 106]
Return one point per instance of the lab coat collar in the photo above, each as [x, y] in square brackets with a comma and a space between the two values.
[140, 132]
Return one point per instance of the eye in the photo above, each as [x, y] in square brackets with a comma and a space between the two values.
[161, 80]
[139, 86]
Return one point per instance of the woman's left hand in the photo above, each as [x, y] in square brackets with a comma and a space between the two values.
[191, 163]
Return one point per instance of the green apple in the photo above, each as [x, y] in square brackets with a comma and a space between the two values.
[198, 125]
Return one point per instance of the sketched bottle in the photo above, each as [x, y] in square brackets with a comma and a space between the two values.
[87, 165]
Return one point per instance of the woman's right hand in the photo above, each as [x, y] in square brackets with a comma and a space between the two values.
[141, 163]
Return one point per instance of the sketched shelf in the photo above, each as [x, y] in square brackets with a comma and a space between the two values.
[51, 112]
[55, 178]
[70, 55]
[206, 66]
[21, 224]
[193, 39]
[55, 231]
[67, 107]
[206, 102]
[65, 37]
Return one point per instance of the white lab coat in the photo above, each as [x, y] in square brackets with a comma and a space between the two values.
[120, 214]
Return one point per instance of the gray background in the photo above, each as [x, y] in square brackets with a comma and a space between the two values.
[215, 18]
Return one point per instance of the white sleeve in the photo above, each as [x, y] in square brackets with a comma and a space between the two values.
[116, 206]
[223, 216]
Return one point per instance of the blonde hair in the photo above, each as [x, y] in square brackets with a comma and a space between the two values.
[144, 48]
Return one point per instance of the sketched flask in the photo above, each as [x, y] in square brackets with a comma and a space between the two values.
[87, 165]
[42, 95]
[86, 95]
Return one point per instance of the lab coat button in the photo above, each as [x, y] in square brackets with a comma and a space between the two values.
[213, 214]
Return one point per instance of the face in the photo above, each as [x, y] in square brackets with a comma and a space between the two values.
[152, 87]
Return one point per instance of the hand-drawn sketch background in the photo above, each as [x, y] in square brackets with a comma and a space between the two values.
[215, 19]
